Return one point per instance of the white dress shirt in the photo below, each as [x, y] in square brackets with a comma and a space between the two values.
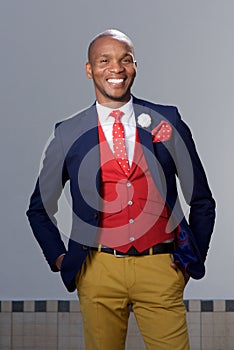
[128, 121]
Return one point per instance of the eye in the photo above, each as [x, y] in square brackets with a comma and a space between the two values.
[127, 60]
[104, 60]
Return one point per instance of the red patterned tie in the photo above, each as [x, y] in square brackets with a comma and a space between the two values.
[119, 141]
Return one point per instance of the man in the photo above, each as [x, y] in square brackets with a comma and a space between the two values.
[130, 243]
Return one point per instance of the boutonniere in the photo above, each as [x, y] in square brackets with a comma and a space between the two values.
[162, 132]
[144, 120]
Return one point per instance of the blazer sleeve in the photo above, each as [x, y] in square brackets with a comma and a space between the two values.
[44, 202]
[194, 186]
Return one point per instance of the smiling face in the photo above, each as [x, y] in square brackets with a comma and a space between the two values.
[113, 69]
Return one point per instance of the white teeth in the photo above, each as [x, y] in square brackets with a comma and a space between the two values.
[115, 81]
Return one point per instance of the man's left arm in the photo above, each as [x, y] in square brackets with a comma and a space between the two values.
[194, 186]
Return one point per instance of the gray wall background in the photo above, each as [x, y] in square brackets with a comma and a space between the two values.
[185, 53]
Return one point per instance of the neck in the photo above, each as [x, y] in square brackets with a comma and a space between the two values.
[113, 104]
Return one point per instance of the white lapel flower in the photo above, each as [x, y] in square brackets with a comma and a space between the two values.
[144, 120]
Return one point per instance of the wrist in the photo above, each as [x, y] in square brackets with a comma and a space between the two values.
[59, 260]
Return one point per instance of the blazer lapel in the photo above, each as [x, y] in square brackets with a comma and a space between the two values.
[87, 152]
[87, 129]
[147, 143]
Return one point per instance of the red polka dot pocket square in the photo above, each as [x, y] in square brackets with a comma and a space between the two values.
[162, 132]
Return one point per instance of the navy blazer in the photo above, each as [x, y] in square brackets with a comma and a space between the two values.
[73, 155]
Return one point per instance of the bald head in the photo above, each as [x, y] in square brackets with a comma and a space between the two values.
[113, 33]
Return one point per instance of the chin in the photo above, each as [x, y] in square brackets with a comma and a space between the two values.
[119, 98]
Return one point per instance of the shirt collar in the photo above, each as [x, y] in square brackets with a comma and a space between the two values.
[104, 112]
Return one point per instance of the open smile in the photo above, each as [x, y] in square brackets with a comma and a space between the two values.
[115, 81]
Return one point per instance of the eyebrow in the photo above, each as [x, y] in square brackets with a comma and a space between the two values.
[109, 55]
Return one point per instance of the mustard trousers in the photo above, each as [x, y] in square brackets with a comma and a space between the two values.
[107, 285]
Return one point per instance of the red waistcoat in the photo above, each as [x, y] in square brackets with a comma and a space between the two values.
[133, 211]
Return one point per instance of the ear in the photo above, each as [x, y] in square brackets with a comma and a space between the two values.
[89, 70]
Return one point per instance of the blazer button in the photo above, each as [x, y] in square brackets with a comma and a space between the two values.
[85, 247]
[95, 215]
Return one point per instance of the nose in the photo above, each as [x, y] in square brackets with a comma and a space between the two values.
[116, 67]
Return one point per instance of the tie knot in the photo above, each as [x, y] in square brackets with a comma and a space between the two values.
[117, 114]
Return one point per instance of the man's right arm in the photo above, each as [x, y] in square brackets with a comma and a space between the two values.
[44, 203]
